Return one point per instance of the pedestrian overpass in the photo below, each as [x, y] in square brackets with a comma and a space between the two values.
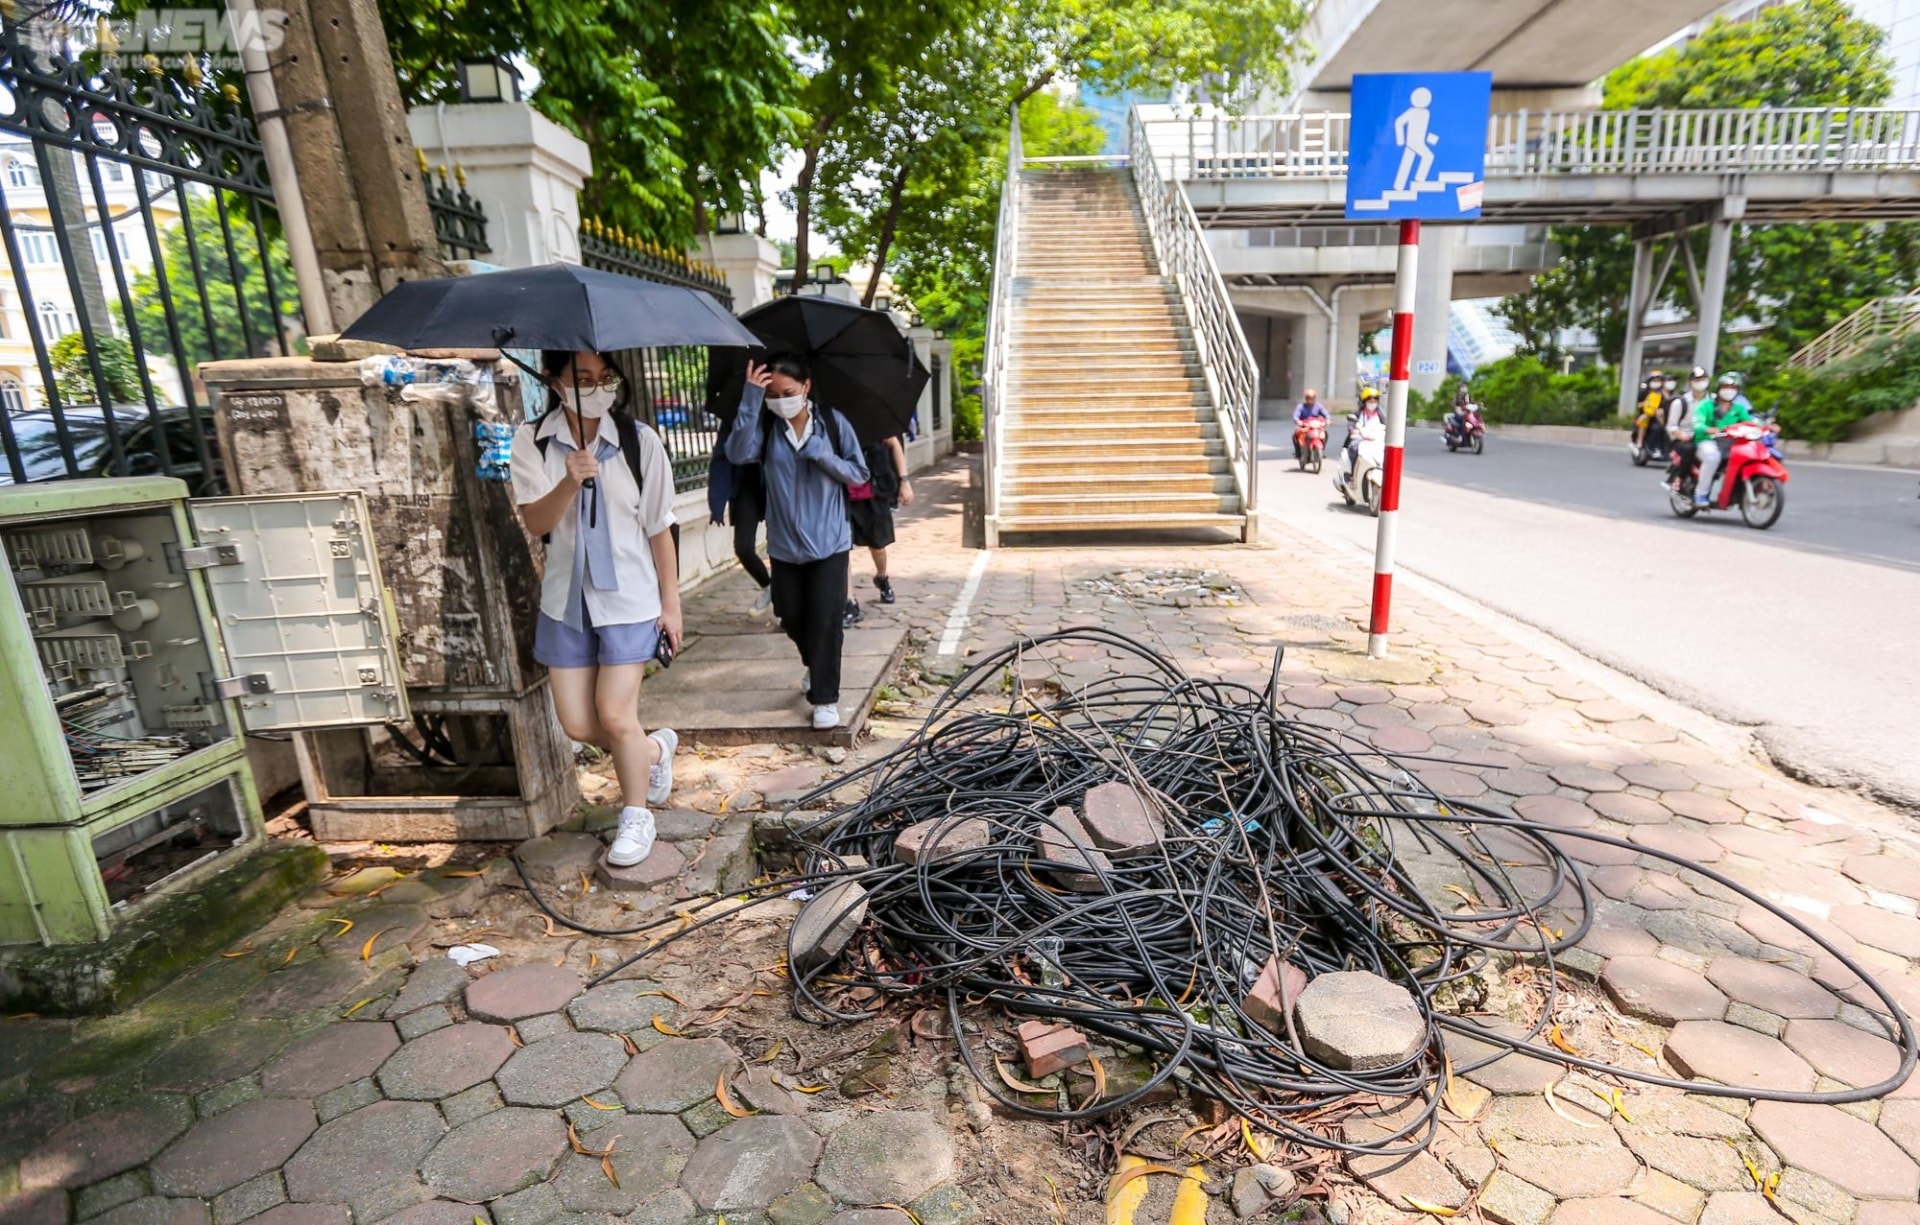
[1665, 173]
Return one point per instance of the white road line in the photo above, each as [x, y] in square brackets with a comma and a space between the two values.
[957, 619]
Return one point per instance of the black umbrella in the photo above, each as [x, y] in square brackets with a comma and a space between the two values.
[554, 306]
[862, 366]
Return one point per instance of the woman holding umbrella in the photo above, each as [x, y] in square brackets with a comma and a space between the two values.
[610, 596]
[809, 456]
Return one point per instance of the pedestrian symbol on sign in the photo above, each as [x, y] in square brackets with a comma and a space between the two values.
[1418, 148]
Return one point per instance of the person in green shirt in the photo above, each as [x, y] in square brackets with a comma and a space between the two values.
[1710, 418]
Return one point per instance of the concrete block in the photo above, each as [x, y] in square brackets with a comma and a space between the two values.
[1358, 1021]
[1049, 1047]
[1071, 844]
[828, 922]
[943, 836]
[1121, 823]
[1273, 995]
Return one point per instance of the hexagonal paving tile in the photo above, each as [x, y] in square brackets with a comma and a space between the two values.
[524, 991]
[676, 1075]
[156, 1210]
[616, 1008]
[324, 982]
[1588, 778]
[1843, 1053]
[1511, 1073]
[1715, 1050]
[1573, 1171]
[651, 1152]
[1775, 988]
[1705, 808]
[363, 1151]
[442, 1063]
[1838, 1147]
[1631, 809]
[496, 1154]
[1883, 929]
[1660, 991]
[228, 1149]
[102, 1145]
[1673, 839]
[323, 1061]
[886, 1158]
[1887, 873]
[556, 1070]
[1555, 810]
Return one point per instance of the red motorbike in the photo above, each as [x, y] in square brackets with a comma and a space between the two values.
[1755, 480]
[1464, 430]
[1310, 443]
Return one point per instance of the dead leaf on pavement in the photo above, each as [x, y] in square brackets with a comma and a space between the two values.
[366, 950]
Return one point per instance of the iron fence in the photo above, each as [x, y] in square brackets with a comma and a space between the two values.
[459, 220]
[670, 384]
[137, 223]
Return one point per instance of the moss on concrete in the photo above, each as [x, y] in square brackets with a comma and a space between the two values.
[160, 940]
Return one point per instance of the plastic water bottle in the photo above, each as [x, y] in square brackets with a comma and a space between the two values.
[495, 442]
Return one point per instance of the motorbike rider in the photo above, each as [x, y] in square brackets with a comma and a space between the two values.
[1652, 406]
[1305, 411]
[1456, 420]
[1710, 420]
[1367, 425]
[1679, 423]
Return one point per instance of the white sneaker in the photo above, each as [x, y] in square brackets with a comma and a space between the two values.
[825, 717]
[660, 777]
[764, 602]
[634, 842]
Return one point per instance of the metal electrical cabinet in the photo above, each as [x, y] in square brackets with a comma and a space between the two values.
[142, 634]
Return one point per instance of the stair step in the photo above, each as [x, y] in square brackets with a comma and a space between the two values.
[1079, 506]
[1024, 484]
[1111, 523]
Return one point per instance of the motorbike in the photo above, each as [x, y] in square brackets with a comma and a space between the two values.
[1310, 443]
[1648, 441]
[1755, 480]
[1463, 428]
[1363, 487]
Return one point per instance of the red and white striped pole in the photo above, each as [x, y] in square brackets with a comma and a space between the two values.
[1398, 373]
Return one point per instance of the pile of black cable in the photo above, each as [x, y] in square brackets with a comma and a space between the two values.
[1283, 842]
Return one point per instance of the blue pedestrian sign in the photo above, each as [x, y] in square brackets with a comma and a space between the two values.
[1417, 147]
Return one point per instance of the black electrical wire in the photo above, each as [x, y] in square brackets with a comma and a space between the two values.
[1280, 843]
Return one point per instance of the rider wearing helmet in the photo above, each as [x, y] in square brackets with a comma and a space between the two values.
[1457, 419]
[1710, 420]
[1368, 424]
[1680, 410]
[1653, 405]
[1305, 411]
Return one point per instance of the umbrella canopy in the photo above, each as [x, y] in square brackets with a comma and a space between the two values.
[862, 366]
[553, 306]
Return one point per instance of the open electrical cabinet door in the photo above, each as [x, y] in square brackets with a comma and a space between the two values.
[309, 634]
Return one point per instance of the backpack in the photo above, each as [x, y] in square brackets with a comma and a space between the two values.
[881, 474]
[628, 432]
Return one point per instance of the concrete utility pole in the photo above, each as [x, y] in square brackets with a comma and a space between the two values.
[358, 174]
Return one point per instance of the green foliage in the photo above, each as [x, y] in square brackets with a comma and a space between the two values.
[211, 292]
[1435, 406]
[1521, 390]
[1825, 404]
[1801, 279]
[73, 373]
[682, 103]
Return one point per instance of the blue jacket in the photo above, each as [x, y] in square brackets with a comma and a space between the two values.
[806, 488]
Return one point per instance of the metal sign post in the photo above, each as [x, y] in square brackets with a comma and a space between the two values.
[1418, 152]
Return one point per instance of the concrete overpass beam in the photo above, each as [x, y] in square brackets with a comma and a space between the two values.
[1634, 351]
[1432, 306]
[1713, 290]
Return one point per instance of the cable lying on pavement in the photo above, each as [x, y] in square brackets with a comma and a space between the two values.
[1274, 845]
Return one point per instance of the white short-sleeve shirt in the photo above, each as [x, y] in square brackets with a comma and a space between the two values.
[635, 517]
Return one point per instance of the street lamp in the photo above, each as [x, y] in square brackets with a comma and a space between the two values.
[493, 79]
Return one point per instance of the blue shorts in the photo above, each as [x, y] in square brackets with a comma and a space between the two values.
[557, 646]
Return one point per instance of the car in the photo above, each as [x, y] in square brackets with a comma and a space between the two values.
[36, 435]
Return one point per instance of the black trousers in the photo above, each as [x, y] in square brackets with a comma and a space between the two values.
[747, 510]
[809, 598]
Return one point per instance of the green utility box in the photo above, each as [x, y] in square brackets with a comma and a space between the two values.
[142, 635]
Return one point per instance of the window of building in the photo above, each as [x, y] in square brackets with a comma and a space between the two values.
[13, 396]
[39, 247]
[112, 172]
[22, 174]
[100, 245]
[56, 322]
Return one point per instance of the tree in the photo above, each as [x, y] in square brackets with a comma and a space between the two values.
[73, 371]
[682, 101]
[245, 324]
[1802, 278]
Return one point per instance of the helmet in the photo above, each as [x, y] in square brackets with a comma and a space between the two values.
[1700, 373]
[1462, 395]
[1368, 393]
[1656, 374]
[1731, 378]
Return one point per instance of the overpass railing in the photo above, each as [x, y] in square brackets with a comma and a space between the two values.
[1527, 143]
[1881, 319]
[1232, 376]
[993, 362]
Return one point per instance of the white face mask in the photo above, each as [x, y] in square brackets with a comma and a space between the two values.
[1698, 386]
[1727, 394]
[595, 403]
[786, 407]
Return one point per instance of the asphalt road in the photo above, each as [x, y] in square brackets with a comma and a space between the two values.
[1809, 633]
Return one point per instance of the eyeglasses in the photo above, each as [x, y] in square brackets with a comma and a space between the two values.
[607, 382]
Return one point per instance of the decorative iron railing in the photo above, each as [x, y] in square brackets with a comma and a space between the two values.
[459, 220]
[137, 221]
[1883, 319]
[993, 363]
[1526, 143]
[609, 248]
[1233, 377]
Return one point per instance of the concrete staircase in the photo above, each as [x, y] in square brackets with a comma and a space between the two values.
[1105, 423]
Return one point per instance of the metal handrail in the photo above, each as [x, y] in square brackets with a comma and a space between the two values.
[1000, 317]
[1314, 145]
[1232, 376]
[1881, 319]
